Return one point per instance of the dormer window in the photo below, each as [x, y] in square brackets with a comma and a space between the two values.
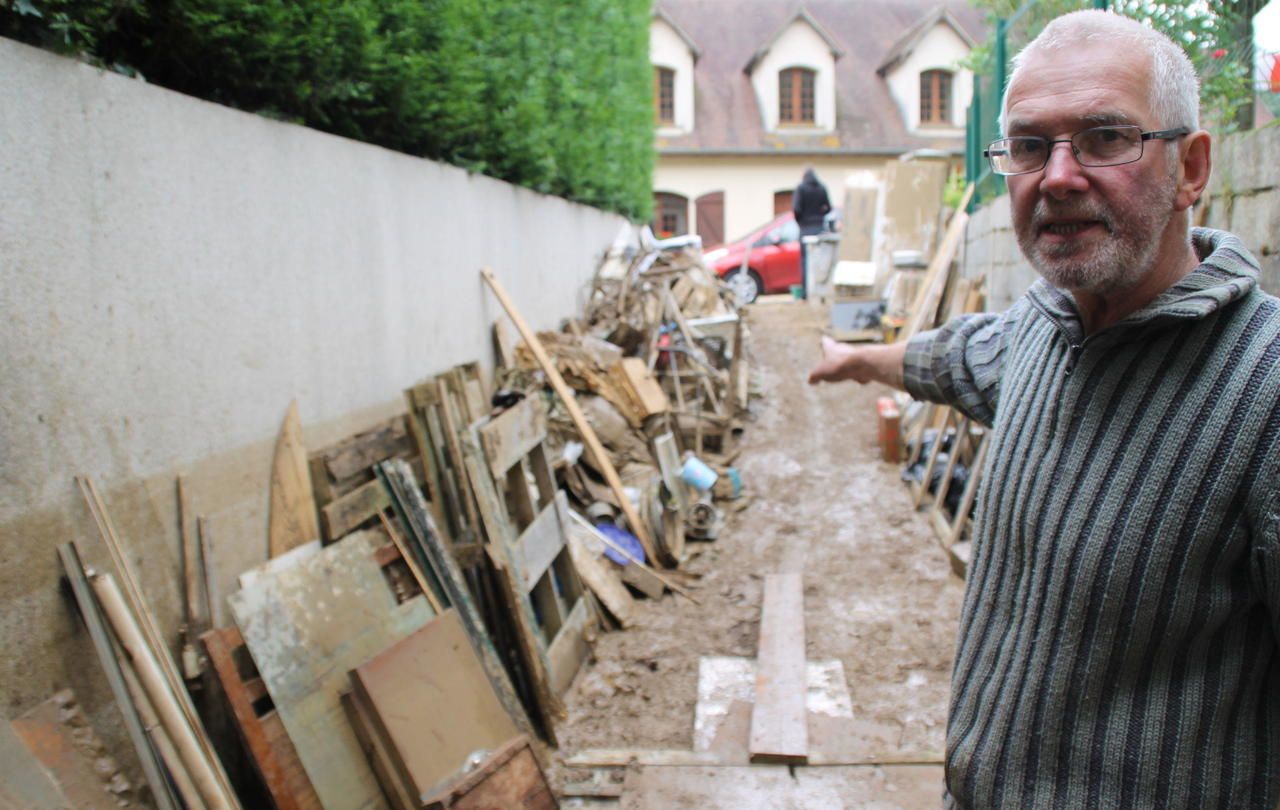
[795, 96]
[664, 95]
[935, 97]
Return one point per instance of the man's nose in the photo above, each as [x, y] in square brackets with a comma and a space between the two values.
[1063, 174]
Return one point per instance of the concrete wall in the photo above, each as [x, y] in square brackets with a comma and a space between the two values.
[172, 274]
[1243, 197]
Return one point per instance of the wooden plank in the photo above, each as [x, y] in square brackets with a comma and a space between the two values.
[664, 450]
[646, 385]
[394, 788]
[665, 580]
[676, 757]
[779, 728]
[306, 627]
[510, 777]
[270, 749]
[509, 436]
[428, 698]
[292, 520]
[570, 647]
[589, 437]
[356, 454]
[539, 544]
[354, 508]
[921, 488]
[924, 310]
[412, 509]
[779, 788]
[600, 578]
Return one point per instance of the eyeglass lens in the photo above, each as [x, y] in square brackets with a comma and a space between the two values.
[1098, 146]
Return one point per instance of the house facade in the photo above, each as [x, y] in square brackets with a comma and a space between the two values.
[747, 93]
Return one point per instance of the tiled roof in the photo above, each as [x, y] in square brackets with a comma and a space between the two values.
[730, 34]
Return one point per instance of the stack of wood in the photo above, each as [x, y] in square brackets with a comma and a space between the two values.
[432, 584]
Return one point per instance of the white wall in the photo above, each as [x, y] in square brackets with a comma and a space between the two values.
[798, 46]
[940, 49]
[668, 49]
[172, 274]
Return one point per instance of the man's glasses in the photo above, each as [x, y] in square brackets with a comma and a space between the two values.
[1093, 147]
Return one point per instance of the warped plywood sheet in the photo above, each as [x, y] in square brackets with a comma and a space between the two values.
[306, 627]
[432, 702]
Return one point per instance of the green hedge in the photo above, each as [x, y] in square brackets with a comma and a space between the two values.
[554, 95]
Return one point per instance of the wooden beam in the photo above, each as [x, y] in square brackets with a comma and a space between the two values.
[779, 721]
[566, 395]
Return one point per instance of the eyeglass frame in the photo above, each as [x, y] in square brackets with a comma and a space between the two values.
[1151, 135]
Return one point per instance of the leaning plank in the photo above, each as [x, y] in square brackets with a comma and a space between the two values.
[779, 725]
[512, 434]
[292, 519]
[306, 627]
[570, 648]
[350, 510]
[398, 792]
[270, 749]
[924, 310]
[412, 510]
[597, 575]
[575, 413]
[94, 619]
[428, 699]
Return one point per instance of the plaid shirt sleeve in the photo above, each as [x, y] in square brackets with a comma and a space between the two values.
[959, 364]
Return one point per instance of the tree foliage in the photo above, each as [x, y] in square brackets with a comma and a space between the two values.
[554, 95]
[1216, 36]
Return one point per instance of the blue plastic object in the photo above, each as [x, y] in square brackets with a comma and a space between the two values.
[623, 538]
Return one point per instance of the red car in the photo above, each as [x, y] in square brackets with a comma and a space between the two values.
[772, 264]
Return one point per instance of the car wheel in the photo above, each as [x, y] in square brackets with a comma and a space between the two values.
[746, 286]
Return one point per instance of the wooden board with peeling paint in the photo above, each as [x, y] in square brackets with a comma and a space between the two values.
[308, 626]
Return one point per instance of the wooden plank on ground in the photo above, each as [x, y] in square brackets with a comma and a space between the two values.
[292, 519]
[429, 699]
[779, 724]
[779, 788]
[306, 627]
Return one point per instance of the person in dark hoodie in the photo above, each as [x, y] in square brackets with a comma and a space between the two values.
[811, 205]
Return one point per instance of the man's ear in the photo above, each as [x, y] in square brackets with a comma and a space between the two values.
[1194, 166]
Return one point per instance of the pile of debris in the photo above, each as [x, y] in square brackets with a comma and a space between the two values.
[436, 581]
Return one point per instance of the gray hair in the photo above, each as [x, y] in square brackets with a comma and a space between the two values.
[1175, 88]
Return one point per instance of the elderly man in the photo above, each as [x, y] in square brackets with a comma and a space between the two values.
[1118, 642]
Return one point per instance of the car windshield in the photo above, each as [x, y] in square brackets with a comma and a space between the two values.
[788, 231]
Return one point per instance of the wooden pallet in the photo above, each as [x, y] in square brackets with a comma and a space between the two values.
[347, 492]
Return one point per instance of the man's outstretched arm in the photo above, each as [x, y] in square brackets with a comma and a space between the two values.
[862, 364]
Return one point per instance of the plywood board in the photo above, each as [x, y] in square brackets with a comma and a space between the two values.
[377, 751]
[306, 628]
[776, 787]
[779, 728]
[509, 436]
[432, 702]
[292, 519]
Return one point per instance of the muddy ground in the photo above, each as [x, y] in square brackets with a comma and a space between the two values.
[879, 593]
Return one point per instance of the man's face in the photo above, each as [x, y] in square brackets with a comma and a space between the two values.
[1093, 229]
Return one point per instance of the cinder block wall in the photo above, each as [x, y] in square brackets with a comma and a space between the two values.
[1243, 197]
[172, 274]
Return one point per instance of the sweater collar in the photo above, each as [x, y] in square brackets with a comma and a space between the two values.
[1227, 273]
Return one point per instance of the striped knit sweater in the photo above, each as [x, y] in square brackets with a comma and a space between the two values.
[1117, 645]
